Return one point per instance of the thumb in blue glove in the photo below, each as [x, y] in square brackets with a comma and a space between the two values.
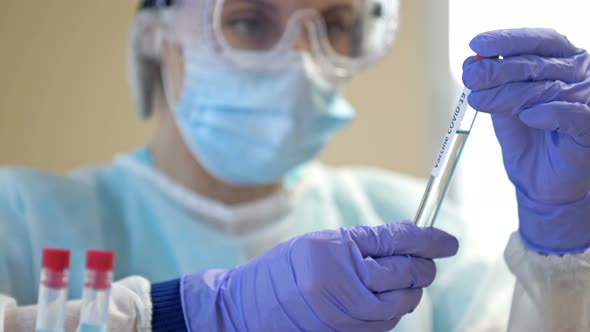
[539, 97]
[360, 279]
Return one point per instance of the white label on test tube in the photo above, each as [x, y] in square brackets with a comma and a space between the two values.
[458, 115]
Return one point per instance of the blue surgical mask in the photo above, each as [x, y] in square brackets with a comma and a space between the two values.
[252, 128]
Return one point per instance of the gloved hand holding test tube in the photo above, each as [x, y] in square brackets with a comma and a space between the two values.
[446, 160]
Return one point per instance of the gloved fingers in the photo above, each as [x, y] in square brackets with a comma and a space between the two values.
[357, 325]
[512, 134]
[403, 239]
[506, 43]
[506, 102]
[384, 325]
[512, 98]
[572, 119]
[386, 306]
[397, 272]
[400, 302]
[491, 73]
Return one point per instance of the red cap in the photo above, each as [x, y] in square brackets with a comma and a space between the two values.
[55, 259]
[101, 261]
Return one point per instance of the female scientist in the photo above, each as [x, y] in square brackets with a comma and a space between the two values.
[228, 224]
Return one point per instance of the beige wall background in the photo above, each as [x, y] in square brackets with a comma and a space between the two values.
[64, 100]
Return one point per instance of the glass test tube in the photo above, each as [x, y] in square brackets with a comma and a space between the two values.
[94, 316]
[446, 161]
[53, 290]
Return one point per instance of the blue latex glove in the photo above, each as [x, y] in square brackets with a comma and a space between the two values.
[538, 95]
[361, 279]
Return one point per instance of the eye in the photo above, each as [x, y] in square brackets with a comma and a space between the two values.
[336, 28]
[246, 25]
[251, 30]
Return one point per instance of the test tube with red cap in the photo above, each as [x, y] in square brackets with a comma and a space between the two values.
[94, 316]
[53, 290]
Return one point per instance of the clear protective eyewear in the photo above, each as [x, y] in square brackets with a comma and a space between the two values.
[342, 36]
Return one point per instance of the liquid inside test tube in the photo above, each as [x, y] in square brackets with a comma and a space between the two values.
[438, 186]
[446, 162]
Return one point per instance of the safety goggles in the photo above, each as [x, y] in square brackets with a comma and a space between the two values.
[342, 36]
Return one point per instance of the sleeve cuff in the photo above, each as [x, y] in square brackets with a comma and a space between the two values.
[167, 312]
